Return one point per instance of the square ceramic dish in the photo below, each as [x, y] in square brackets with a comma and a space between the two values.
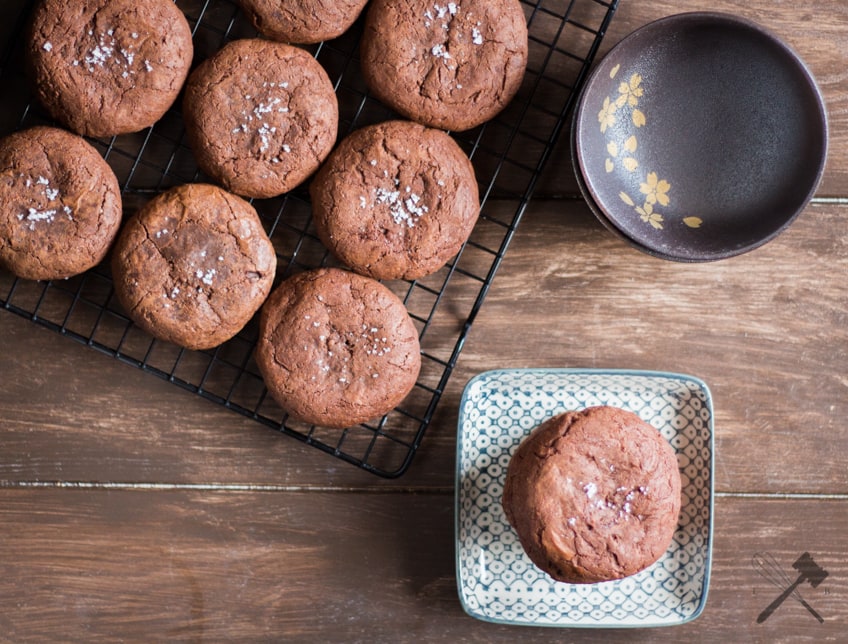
[497, 582]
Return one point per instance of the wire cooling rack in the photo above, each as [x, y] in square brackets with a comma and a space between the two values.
[508, 154]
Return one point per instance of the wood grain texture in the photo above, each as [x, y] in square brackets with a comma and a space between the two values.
[767, 331]
[97, 565]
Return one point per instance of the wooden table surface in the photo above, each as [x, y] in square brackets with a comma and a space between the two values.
[132, 510]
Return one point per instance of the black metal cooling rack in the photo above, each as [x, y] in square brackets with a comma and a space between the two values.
[508, 154]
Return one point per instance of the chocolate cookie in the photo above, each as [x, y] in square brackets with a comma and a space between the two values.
[193, 266]
[336, 348]
[395, 200]
[452, 65]
[302, 21]
[60, 204]
[105, 67]
[261, 116]
[593, 495]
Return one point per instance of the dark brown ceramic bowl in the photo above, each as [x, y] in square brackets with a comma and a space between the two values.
[699, 137]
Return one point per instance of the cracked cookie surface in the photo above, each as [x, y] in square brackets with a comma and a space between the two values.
[593, 495]
[107, 67]
[395, 200]
[336, 348]
[302, 21]
[261, 116]
[451, 65]
[193, 266]
[60, 204]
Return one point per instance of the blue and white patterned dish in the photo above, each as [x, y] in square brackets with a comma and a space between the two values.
[497, 581]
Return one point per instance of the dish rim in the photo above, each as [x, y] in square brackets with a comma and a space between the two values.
[576, 371]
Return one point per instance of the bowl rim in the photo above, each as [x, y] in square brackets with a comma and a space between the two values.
[720, 18]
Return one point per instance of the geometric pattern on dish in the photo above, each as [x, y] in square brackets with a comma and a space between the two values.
[496, 580]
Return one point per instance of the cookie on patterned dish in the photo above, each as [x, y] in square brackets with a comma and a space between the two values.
[302, 21]
[594, 495]
[451, 65]
[336, 348]
[106, 67]
[60, 204]
[261, 116]
[395, 200]
[193, 266]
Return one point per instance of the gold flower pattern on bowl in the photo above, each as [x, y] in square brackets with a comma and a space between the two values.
[684, 152]
[654, 191]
